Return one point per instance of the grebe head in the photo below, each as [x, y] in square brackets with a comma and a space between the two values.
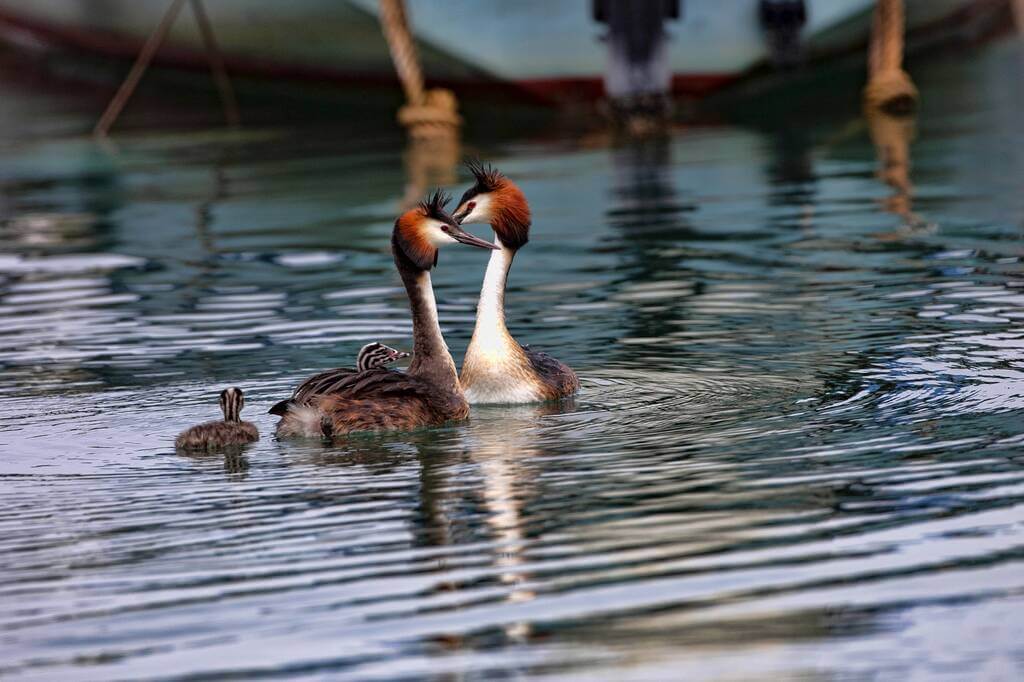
[496, 200]
[231, 402]
[421, 231]
[377, 355]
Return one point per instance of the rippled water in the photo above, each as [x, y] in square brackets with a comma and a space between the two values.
[797, 453]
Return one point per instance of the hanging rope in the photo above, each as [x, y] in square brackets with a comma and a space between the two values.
[149, 50]
[138, 68]
[889, 86]
[427, 113]
[216, 61]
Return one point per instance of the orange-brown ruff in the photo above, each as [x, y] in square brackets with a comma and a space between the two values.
[497, 369]
[231, 431]
[344, 400]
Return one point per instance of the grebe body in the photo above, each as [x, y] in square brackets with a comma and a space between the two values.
[344, 401]
[231, 431]
[497, 368]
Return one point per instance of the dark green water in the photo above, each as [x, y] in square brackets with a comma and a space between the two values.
[797, 454]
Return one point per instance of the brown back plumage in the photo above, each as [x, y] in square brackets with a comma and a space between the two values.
[378, 399]
[374, 399]
[557, 378]
[219, 434]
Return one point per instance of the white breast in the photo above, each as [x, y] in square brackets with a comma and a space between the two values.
[487, 391]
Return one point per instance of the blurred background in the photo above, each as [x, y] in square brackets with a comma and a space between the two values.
[779, 241]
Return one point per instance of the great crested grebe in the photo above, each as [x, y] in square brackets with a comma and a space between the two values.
[231, 431]
[341, 401]
[497, 369]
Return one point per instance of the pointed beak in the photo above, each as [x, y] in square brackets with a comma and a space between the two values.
[460, 215]
[463, 237]
[398, 355]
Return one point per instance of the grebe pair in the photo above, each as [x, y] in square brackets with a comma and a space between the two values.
[344, 400]
[496, 369]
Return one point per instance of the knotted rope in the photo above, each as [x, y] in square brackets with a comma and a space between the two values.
[889, 86]
[428, 113]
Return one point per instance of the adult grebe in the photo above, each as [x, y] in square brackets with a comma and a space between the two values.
[342, 401]
[231, 431]
[497, 369]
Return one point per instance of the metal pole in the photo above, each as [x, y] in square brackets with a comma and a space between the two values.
[156, 38]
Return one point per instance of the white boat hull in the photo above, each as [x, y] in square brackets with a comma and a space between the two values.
[552, 49]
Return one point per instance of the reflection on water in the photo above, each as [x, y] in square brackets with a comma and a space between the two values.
[429, 163]
[797, 453]
[892, 136]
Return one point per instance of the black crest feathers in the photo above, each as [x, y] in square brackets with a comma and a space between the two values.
[434, 205]
[487, 177]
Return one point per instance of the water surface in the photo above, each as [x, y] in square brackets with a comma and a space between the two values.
[797, 453]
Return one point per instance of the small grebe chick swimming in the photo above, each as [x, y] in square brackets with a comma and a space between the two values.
[341, 401]
[231, 431]
[497, 369]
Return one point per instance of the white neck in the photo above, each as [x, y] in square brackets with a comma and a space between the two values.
[495, 369]
[490, 331]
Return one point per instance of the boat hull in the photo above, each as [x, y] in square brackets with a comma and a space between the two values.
[553, 51]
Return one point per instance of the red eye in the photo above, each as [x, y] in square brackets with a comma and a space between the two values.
[471, 205]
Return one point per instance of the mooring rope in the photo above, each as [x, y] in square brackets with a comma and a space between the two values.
[889, 86]
[428, 113]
